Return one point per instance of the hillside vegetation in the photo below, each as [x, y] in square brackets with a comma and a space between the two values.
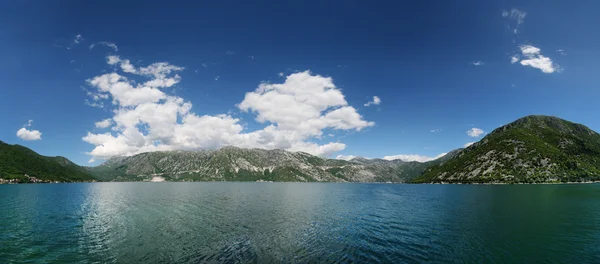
[532, 149]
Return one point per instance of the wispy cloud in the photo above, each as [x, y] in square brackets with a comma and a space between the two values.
[516, 16]
[478, 63]
[78, 39]
[514, 59]
[107, 44]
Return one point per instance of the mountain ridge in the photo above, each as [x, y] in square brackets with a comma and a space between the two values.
[532, 149]
[21, 164]
[238, 164]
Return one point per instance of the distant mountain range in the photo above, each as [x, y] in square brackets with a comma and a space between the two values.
[531, 149]
[236, 164]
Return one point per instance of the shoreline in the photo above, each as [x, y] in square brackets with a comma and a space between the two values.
[429, 183]
[506, 183]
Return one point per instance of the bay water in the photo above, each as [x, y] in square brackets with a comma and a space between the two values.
[299, 223]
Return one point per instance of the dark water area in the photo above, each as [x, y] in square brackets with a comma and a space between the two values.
[298, 223]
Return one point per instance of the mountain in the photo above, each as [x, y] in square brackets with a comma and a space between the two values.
[237, 164]
[21, 164]
[529, 150]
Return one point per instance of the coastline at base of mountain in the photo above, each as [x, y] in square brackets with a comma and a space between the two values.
[532, 149]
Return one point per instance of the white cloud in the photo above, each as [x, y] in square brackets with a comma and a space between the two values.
[515, 15]
[229, 53]
[478, 63]
[475, 132]
[147, 119]
[113, 59]
[158, 70]
[413, 157]
[26, 134]
[529, 50]
[435, 130]
[104, 123]
[107, 44]
[535, 59]
[468, 144]
[561, 52]
[281, 74]
[217, 78]
[376, 101]
[78, 39]
[514, 59]
[345, 157]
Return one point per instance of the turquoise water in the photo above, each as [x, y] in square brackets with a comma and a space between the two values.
[298, 223]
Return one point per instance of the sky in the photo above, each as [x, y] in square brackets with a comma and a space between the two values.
[408, 80]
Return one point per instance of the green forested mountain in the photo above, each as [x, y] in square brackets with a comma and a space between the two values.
[18, 162]
[531, 149]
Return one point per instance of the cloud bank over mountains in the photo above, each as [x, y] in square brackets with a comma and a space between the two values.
[145, 117]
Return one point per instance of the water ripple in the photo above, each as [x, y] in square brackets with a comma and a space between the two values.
[298, 223]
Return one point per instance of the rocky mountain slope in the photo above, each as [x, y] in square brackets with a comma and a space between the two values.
[21, 164]
[236, 164]
[530, 149]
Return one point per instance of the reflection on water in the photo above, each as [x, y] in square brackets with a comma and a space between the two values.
[298, 222]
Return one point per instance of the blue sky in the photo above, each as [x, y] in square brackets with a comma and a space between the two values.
[440, 69]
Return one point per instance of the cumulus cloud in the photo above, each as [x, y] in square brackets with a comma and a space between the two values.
[413, 157]
[26, 134]
[146, 118]
[475, 132]
[104, 123]
[535, 59]
[107, 44]
[376, 101]
[468, 144]
[478, 63]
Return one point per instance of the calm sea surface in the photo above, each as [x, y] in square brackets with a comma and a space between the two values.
[298, 223]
